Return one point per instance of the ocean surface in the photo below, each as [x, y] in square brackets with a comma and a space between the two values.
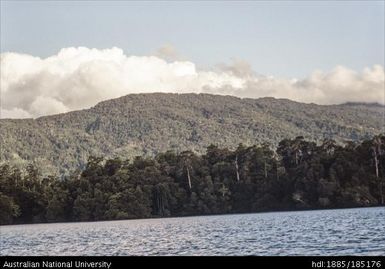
[321, 232]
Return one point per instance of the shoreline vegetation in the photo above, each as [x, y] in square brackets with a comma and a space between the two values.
[199, 215]
[297, 175]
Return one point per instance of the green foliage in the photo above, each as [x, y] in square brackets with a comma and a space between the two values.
[298, 175]
[146, 124]
[8, 209]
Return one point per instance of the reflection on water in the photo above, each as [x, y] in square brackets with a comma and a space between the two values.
[326, 232]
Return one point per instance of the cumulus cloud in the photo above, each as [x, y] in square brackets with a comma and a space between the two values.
[337, 86]
[240, 68]
[78, 78]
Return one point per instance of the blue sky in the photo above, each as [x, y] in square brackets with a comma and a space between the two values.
[284, 39]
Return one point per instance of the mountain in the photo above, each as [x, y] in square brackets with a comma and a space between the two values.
[145, 124]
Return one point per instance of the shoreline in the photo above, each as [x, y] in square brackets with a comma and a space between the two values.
[203, 215]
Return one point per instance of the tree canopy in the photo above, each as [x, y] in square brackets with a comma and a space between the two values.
[298, 175]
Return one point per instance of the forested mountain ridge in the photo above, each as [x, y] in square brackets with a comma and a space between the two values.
[145, 124]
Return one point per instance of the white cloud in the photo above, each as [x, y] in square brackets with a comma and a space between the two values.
[78, 78]
[238, 68]
[16, 113]
[47, 105]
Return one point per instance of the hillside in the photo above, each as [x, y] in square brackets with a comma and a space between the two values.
[145, 124]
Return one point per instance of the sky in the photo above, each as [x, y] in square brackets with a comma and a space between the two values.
[323, 52]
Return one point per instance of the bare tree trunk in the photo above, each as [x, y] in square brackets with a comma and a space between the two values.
[188, 177]
[377, 175]
[375, 160]
[237, 167]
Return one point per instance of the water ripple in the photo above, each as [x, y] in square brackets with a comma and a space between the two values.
[327, 232]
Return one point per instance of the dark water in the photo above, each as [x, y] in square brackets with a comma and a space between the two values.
[327, 232]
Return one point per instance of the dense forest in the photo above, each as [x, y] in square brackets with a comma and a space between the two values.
[148, 124]
[298, 175]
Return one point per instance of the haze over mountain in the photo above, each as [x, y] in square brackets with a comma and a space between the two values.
[145, 124]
